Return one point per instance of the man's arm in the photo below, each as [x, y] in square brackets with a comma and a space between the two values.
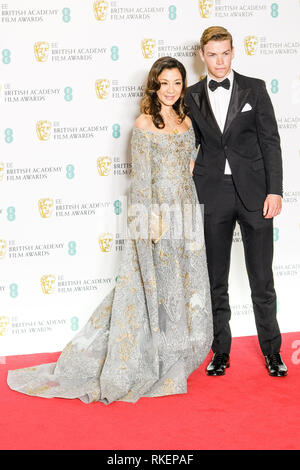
[272, 206]
[196, 132]
[188, 99]
[269, 141]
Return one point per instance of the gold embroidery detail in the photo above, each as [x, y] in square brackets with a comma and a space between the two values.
[150, 285]
[127, 396]
[188, 317]
[187, 281]
[127, 339]
[164, 257]
[69, 349]
[124, 280]
[169, 387]
[37, 390]
[99, 319]
[96, 395]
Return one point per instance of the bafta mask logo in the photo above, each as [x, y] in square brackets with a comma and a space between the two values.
[1, 171]
[102, 88]
[101, 10]
[4, 322]
[148, 48]
[105, 242]
[251, 43]
[3, 246]
[43, 130]
[104, 166]
[205, 7]
[41, 50]
[46, 207]
[48, 283]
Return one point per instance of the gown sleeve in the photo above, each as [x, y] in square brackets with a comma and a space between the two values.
[140, 196]
[139, 218]
[194, 152]
[195, 148]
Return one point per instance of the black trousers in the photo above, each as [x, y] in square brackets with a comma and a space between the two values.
[257, 236]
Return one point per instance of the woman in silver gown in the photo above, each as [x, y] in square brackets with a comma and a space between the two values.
[155, 327]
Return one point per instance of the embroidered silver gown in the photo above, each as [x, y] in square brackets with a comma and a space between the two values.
[155, 326]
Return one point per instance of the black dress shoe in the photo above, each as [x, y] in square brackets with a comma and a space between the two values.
[275, 365]
[218, 364]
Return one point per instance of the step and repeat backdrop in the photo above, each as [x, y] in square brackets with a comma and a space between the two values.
[72, 74]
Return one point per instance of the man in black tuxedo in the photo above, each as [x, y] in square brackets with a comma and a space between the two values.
[238, 177]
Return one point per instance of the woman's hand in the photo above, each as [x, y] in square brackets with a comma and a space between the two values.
[192, 164]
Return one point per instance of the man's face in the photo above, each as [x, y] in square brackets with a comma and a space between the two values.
[217, 56]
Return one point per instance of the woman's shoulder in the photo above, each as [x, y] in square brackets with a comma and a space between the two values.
[144, 122]
[188, 121]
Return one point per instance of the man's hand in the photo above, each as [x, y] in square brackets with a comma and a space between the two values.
[272, 206]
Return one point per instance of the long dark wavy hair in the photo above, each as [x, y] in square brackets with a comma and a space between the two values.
[150, 103]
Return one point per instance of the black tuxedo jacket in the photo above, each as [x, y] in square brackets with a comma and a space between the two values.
[250, 142]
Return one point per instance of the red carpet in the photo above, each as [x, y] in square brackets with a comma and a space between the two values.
[245, 409]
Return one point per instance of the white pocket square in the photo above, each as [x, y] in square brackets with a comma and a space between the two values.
[247, 107]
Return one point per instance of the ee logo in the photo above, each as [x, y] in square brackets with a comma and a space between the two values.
[172, 12]
[74, 323]
[274, 10]
[70, 171]
[6, 59]
[274, 86]
[114, 53]
[72, 248]
[117, 207]
[66, 15]
[116, 131]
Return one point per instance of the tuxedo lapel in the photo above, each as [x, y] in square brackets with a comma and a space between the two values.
[202, 101]
[237, 101]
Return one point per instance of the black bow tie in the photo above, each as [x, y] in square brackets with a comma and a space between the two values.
[213, 85]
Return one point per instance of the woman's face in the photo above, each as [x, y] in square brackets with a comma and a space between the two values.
[170, 86]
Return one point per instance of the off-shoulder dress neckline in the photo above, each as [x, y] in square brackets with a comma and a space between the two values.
[163, 133]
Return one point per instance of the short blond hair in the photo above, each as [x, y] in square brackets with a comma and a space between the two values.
[214, 33]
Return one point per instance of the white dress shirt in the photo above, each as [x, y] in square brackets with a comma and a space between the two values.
[219, 100]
